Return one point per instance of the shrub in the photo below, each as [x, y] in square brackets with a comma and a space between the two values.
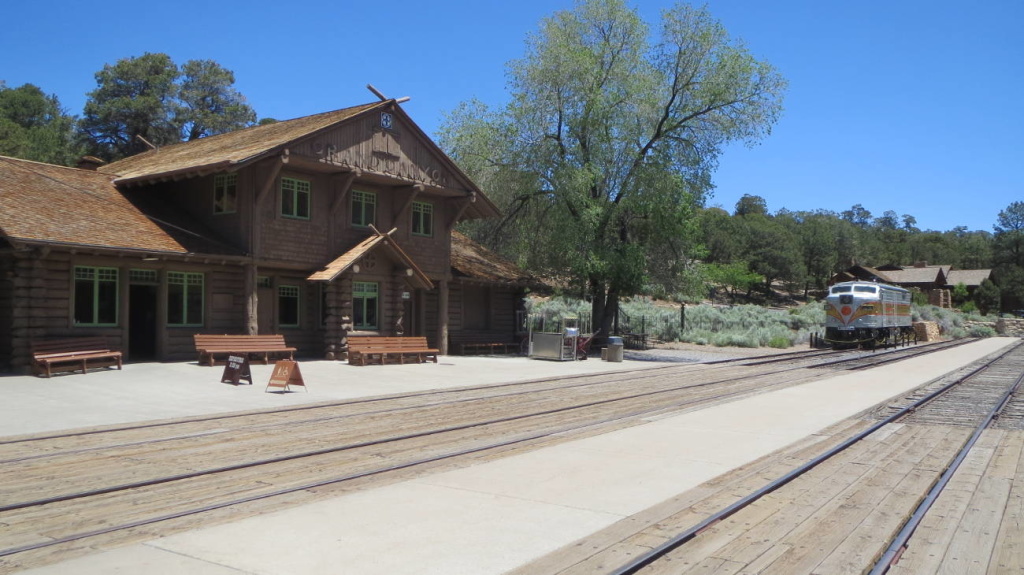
[981, 331]
[780, 342]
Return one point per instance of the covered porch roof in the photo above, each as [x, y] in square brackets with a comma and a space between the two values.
[378, 240]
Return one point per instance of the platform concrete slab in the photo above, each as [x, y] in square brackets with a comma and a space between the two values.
[148, 391]
[495, 516]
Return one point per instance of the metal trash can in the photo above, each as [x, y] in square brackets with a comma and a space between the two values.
[615, 349]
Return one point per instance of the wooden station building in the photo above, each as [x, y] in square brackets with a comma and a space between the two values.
[313, 228]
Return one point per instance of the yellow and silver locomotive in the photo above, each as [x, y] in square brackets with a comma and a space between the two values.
[867, 314]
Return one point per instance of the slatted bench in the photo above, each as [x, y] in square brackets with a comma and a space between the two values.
[491, 347]
[72, 354]
[372, 348]
[634, 340]
[261, 347]
[468, 342]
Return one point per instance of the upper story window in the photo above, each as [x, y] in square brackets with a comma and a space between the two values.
[295, 195]
[364, 208]
[225, 193]
[422, 219]
[95, 296]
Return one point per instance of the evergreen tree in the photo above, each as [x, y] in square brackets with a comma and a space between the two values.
[34, 126]
[147, 100]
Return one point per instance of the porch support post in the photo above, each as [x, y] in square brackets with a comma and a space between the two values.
[163, 346]
[251, 300]
[442, 316]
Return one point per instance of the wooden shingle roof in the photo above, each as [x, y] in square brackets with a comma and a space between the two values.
[47, 204]
[473, 262]
[225, 151]
[378, 240]
[970, 278]
[921, 275]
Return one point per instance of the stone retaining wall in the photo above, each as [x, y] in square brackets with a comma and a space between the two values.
[927, 330]
[1011, 327]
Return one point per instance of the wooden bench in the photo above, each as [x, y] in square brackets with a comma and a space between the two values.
[368, 348]
[491, 347]
[468, 342]
[72, 354]
[634, 340]
[262, 347]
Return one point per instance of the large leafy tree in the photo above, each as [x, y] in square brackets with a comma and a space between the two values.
[606, 149]
[34, 126]
[147, 100]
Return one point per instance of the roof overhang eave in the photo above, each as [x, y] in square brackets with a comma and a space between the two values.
[181, 174]
[24, 243]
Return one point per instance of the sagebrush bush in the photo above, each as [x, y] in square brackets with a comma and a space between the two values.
[981, 331]
[742, 325]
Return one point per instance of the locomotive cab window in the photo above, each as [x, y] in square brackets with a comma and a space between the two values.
[840, 289]
[865, 289]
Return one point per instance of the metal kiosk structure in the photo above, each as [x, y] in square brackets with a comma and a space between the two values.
[555, 338]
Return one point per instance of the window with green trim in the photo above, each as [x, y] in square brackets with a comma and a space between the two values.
[288, 306]
[295, 196]
[364, 303]
[225, 193]
[364, 208]
[184, 299]
[422, 219]
[95, 296]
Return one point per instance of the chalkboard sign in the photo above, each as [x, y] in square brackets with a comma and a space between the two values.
[236, 370]
[286, 373]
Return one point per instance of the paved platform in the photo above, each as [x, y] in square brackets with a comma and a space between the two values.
[493, 517]
[147, 391]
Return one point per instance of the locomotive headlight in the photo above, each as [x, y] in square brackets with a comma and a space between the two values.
[828, 307]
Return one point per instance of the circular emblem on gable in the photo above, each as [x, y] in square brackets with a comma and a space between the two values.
[385, 120]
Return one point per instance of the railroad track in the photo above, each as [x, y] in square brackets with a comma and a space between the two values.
[60, 493]
[869, 477]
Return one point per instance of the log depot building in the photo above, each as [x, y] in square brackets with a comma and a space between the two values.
[313, 228]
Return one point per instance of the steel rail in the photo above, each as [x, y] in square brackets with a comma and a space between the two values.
[323, 405]
[898, 545]
[368, 473]
[660, 551]
[404, 437]
[645, 374]
[875, 361]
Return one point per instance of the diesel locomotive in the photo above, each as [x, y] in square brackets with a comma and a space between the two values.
[867, 314]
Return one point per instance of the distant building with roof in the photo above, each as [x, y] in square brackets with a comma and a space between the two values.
[937, 281]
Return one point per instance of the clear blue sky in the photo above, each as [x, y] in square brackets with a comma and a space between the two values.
[915, 106]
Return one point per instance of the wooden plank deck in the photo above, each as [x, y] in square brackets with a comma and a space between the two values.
[975, 526]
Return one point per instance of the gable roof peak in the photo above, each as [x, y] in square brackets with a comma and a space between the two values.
[224, 151]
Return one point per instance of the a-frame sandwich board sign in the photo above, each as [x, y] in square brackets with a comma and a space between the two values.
[286, 374]
[237, 369]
